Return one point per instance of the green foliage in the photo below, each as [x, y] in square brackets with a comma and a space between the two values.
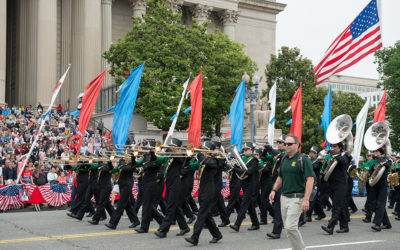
[172, 51]
[388, 61]
[289, 69]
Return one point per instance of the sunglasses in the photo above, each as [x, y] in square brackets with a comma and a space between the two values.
[289, 143]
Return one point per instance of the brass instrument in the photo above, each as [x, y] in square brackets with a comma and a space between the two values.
[361, 174]
[178, 152]
[376, 137]
[339, 130]
[394, 179]
[237, 160]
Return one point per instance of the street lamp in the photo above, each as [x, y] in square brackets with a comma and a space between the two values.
[252, 94]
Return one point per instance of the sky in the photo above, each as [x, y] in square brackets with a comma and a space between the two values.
[312, 25]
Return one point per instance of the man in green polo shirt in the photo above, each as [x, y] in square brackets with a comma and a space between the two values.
[295, 192]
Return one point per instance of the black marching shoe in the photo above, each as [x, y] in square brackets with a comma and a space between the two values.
[364, 210]
[235, 227]
[134, 224]
[320, 217]
[308, 219]
[90, 215]
[252, 228]
[103, 218]
[273, 235]
[141, 230]
[367, 220]
[394, 213]
[327, 229]
[224, 224]
[70, 214]
[183, 232]
[343, 230]
[75, 216]
[191, 220]
[110, 226]
[192, 241]
[94, 222]
[216, 239]
[386, 227]
[263, 222]
[376, 228]
[160, 234]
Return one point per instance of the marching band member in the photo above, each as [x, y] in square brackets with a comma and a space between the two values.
[370, 202]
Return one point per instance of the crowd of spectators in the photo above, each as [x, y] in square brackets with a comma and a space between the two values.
[18, 128]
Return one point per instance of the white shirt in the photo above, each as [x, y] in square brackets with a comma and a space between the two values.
[51, 177]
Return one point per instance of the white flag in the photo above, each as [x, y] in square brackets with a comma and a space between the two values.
[360, 125]
[271, 122]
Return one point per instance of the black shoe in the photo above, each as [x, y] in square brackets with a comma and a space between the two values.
[263, 222]
[183, 232]
[110, 226]
[103, 218]
[94, 222]
[397, 218]
[394, 213]
[367, 220]
[70, 214]
[215, 239]
[134, 224]
[192, 241]
[252, 228]
[224, 224]
[141, 230]
[160, 234]
[376, 228]
[343, 230]
[364, 210]
[327, 229]
[76, 217]
[308, 219]
[235, 227]
[90, 215]
[190, 221]
[301, 223]
[320, 217]
[390, 207]
[273, 236]
[386, 227]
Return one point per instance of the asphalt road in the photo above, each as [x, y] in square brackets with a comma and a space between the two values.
[54, 230]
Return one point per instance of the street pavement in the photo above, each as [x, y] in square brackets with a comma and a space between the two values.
[55, 230]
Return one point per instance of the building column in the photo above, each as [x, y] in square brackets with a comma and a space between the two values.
[229, 20]
[176, 5]
[46, 59]
[138, 7]
[85, 46]
[106, 23]
[66, 19]
[3, 50]
[202, 12]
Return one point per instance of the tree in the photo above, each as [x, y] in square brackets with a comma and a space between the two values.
[171, 52]
[289, 69]
[388, 61]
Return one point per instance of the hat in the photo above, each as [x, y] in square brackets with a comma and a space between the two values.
[314, 149]
[208, 145]
[217, 144]
[175, 142]
[281, 138]
[398, 155]
[370, 153]
[248, 145]
[258, 151]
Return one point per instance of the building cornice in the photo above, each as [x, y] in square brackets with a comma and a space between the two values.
[262, 5]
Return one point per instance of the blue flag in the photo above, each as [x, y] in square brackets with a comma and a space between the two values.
[123, 111]
[289, 122]
[326, 115]
[236, 116]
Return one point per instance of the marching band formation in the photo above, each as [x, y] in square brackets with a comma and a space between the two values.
[166, 174]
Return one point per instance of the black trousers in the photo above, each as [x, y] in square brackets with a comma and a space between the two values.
[234, 199]
[174, 206]
[325, 191]
[192, 203]
[316, 206]
[370, 203]
[338, 193]
[380, 193]
[248, 205]
[139, 199]
[149, 209]
[125, 202]
[278, 222]
[87, 203]
[206, 202]
[103, 203]
[80, 196]
[265, 206]
[220, 205]
[397, 200]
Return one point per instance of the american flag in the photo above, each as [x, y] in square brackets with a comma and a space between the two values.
[10, 197]
[195, 189]
[135, 189]
[361, 38]
[56, 194]
[225, 192]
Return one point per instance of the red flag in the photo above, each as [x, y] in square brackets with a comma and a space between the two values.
[88, 101]
[295, 104]
[379, 114]
[228, 133]
[196, 96]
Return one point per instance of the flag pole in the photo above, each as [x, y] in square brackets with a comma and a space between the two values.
[44, 117]
[172, 127]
